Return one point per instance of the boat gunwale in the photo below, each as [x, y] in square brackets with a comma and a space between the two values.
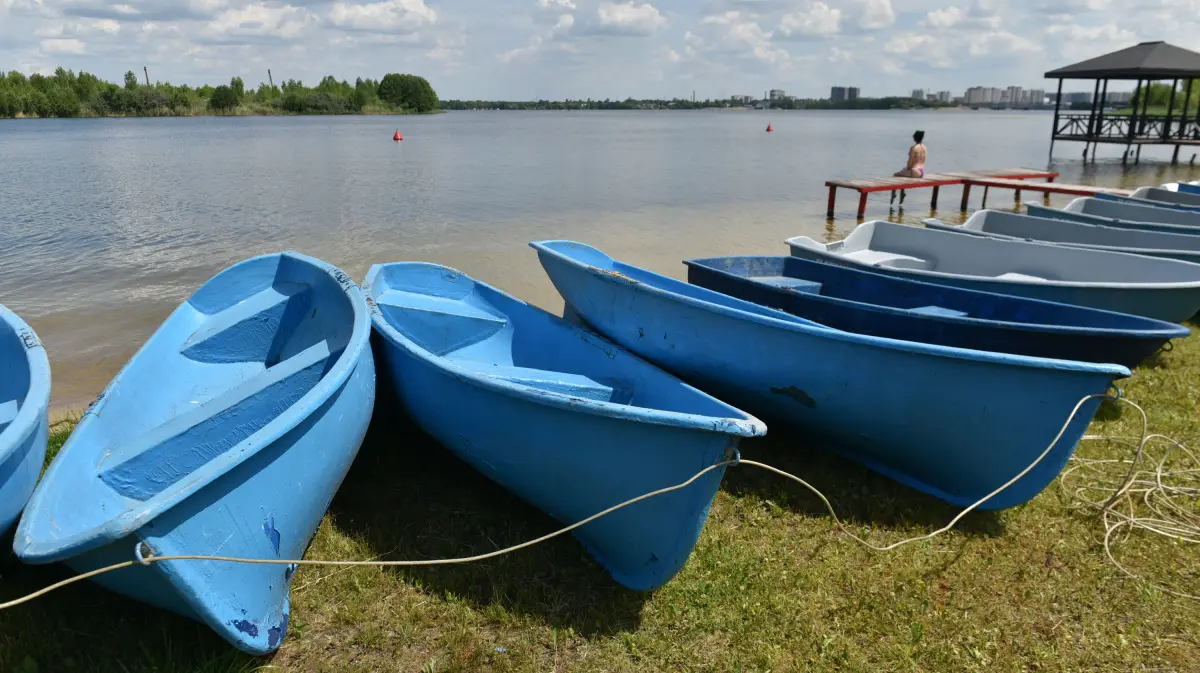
[747, 426]
[134, 517]
[1112, 222]
[938, 225]
[794, 323]
[1167, 329]
[817, 246]
[1149, 203]
[36, 401]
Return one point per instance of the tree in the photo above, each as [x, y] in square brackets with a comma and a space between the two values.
[238, 87]
[408, 91]
[130, 80]
[224, 98]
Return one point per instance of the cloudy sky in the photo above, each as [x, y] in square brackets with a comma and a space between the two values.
[522, 49]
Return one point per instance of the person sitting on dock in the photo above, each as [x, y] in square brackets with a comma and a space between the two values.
[916, 162]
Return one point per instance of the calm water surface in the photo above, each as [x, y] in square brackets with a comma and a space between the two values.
[107, 224]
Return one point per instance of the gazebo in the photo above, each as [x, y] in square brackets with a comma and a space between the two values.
[1146, 62]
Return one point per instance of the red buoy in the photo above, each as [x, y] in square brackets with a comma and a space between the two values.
[397, 137]
[770, 129]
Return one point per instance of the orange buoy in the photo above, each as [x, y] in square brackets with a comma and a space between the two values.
[397, 137]
[770, 129]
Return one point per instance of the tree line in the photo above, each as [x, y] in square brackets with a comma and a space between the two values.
[70, 94]
[688, 104]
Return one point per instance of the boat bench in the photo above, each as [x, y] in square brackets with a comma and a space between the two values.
[892, 260]
[573, 385]
[254, 329]
[788, 283]
[938, 311]
[442, 325]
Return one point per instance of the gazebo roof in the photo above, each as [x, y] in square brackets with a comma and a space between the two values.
[1148, 60]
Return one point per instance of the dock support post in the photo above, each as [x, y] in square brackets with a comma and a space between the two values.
[1175, 156]
[1016, 196]
[1138, 159]
[933, 203]
[986, 189]
[966, 196]
[862, 204]
[832, 196]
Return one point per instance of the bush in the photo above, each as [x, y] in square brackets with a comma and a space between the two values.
[223, 99]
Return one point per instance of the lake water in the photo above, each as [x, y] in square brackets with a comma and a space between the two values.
[107, 224]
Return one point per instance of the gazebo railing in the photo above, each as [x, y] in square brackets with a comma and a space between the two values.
[1115, 127]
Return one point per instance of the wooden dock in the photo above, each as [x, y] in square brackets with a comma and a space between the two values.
[865, 186]
[1046, 188]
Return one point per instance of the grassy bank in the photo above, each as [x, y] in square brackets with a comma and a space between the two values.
[772, 584]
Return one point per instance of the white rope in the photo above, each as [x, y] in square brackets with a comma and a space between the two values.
[145, 560]
[1154, 495]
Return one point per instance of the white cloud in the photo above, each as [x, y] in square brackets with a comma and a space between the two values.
[977, 17]
[384, 17]
[876, 14]
[630, 18]
[557, 4]
[817, 20]
[63, 46]
[258, 20]
[739, 34]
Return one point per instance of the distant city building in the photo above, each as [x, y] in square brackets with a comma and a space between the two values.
[1036, 96]
[778, 94]
[740, 98]
[918, 94]
[1119, 97]
[852, 93]
[1077, 97]
[931, 97]
[1015, 95]
[943, 96]
[837, 93]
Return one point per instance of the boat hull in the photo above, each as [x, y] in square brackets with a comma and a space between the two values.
[989, 322]
[1167, 299]
[250, 479]
[1123, 222]
[24, 420]
[565, 420]
[956, 428]
[572, 465]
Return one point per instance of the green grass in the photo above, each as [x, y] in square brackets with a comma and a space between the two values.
[772, 585]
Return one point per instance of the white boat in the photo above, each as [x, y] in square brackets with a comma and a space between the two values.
[1120, 214]
[999, 224]
[1171, 196]
[1165, 289]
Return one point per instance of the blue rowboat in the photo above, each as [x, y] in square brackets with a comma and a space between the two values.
[24, 423]
[1154, 203]
[1162, 289]
[1186, 188]
[954, 423]
[226, 434]
[862, 302]
[564, 419]
[1122, 215]
[1013, 226]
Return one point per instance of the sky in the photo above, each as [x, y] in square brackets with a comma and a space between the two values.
[555, 49]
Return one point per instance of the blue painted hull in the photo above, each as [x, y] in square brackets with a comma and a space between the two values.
[565, 420]
[896, 308]
[24, 423]
[227, 434]
[953, 423]
[1188, 188]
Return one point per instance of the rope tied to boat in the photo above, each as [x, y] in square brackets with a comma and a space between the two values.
[1135, 481]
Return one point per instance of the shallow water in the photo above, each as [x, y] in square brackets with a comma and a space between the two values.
[107, 224]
